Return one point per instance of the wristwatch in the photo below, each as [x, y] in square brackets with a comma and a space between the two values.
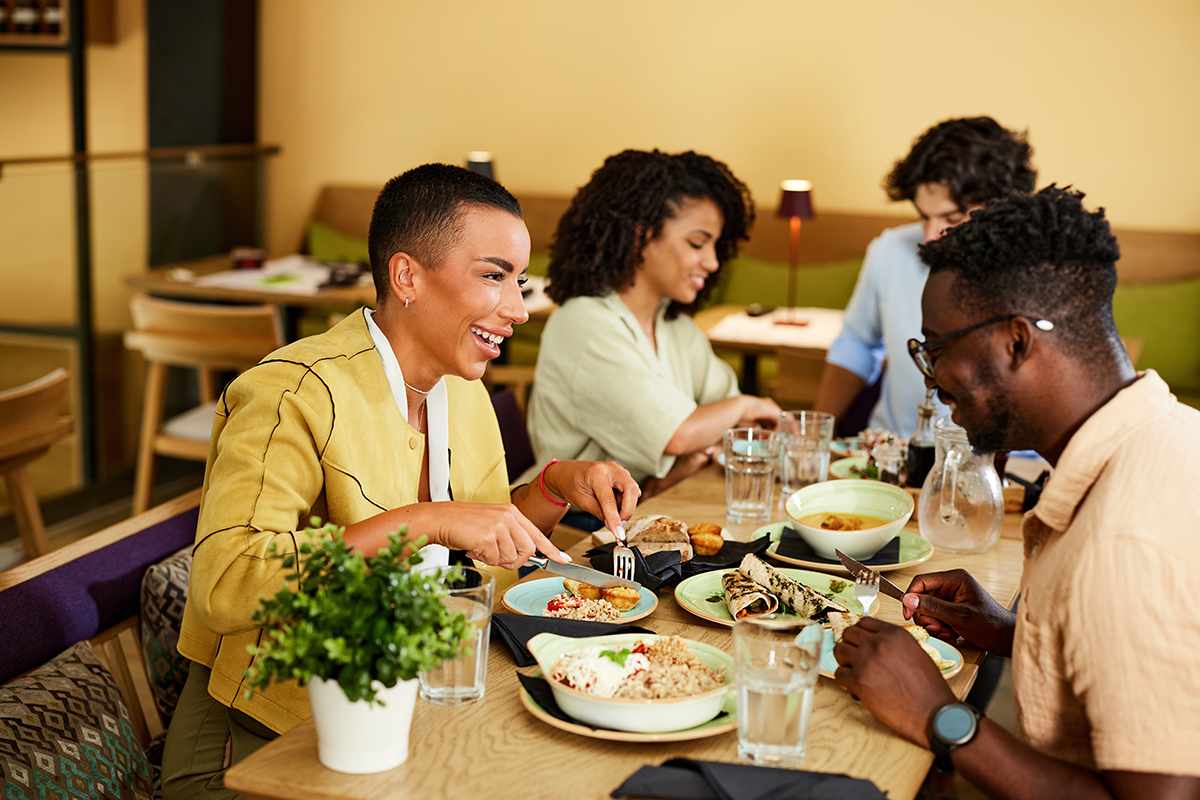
[952, 726]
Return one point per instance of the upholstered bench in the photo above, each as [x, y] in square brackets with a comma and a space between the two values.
[88, 676]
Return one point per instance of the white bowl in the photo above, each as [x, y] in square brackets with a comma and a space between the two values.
[872, 498]
[639, 716]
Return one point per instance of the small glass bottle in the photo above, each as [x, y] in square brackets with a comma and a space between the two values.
[922, 447]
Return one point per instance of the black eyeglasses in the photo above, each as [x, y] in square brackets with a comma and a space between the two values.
[922, 352]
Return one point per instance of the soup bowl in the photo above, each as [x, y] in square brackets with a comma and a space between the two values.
[623, 714]
[868, 498]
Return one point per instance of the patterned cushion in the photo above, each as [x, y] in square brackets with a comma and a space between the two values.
[164, 592]
[65, 733]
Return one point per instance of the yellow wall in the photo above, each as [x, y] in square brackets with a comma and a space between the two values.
[829, 91]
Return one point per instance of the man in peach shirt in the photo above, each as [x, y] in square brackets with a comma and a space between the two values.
[1021, 344]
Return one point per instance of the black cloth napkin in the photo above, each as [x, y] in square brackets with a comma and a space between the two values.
[665, 569]
[792, 546]
[517, 629]
[539, 690]
[687, 779]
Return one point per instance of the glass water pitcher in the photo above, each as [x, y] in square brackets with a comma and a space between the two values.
[961, 509]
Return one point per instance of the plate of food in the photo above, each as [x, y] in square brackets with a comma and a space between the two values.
[724, 722]
[852, 467]
[758, 588]
[906, 550]
[563, 597]
[945, 655]
[635, 682]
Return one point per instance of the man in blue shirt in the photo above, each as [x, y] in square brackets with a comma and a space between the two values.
[953, 169]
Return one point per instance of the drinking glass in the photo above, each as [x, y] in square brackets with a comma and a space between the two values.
[751, 456]
[461, 680]
[776, 660]
[805, 437]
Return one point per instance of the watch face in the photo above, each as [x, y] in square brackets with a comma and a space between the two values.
[954, 724]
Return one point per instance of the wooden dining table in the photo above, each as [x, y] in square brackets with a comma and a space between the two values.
[497, 749]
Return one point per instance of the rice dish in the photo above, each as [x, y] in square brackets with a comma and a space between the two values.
[568, 606]
[652, 669]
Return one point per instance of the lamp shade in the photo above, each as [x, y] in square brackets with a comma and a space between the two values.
[795, 200]
[480, 161]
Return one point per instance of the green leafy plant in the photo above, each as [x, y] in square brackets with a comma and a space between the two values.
[354, 620]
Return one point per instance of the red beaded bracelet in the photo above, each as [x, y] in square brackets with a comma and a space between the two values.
[542, 483]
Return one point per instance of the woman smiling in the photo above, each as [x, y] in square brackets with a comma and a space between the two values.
[621, 374]
[378, 423]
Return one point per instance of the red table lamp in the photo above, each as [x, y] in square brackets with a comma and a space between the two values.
[795, 204]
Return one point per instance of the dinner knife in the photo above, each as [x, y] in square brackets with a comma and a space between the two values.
[592, 577]
[857, 570]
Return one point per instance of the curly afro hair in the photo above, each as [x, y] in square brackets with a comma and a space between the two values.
[1038, 255]
[601, 237]
[976, 158]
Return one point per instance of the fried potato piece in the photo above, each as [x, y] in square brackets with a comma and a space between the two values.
[622, 598]
[706, 538]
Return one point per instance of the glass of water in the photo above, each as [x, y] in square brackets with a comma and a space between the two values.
[751, 457]
[461, 680]
[776, 660]
[805, 437]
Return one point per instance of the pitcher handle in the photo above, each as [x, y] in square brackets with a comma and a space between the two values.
[949, 510]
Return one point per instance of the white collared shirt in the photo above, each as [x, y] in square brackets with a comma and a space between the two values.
[437, 439]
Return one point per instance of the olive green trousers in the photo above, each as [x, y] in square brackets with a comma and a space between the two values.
[205, 739]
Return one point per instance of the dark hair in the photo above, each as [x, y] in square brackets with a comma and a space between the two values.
[420, 213]
[1039, 255]
[977, 159]
[601, 238]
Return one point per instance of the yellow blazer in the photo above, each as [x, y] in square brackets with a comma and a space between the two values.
[312, 430]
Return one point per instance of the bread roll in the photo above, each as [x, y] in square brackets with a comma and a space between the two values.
[706, 538]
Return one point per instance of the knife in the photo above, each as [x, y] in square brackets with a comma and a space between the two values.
[862, 570]
[592, 577]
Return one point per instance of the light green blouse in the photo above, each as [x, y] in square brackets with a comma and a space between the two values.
[602, 393]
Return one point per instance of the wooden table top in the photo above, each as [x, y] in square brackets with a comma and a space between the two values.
[495, 748]
[707, 319]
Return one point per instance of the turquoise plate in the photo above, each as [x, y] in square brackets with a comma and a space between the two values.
[949, 652]
[531, 597]
[913, 550]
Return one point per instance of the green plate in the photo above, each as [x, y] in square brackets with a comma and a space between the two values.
[841, 467]
[693, 594]
[722, 723]
[913, 550]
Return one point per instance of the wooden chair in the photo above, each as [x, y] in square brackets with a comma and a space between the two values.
[518, 378]
[29, 425]
[207, 338]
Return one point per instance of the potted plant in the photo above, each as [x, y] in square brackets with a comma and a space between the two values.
[357, 631]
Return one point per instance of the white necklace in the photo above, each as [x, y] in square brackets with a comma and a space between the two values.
[419, 391]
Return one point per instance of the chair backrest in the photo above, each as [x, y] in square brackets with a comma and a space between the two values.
[29, 414]
[518, 450]
[518, 378]
[203, 335]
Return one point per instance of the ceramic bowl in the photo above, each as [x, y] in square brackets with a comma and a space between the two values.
[850, 497]
[639, 716]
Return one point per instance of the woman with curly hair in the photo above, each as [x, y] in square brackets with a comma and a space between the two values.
[622, 374]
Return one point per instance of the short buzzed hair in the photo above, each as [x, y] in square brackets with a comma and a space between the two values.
[1041, 255]
[420, 213]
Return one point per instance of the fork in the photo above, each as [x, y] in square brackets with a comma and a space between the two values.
[623, 562]
[866, 588]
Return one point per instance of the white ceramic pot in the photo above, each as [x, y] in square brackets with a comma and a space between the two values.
[362, 737]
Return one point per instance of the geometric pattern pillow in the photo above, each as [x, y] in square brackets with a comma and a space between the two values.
[65, 733]
[164, 593]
